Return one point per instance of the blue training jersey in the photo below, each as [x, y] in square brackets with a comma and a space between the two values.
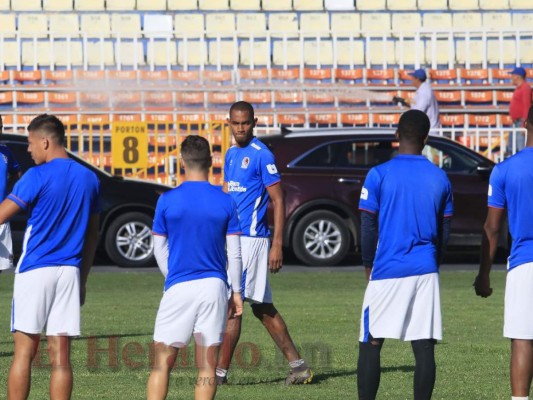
[411, 196]
[59, 196]
[511, 187]
[195, 217]
[8, 165]
[248, 171]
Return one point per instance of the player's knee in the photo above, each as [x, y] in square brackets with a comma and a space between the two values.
[262, 310]
[423, 348]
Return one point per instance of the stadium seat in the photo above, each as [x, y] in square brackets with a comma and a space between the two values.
[253, 75]
[287, 52]
[213, 5]
[308, 5]
[438, 21]
[33, 25]
[478, 97]
[520, 4]
[452, 120]
[375, 22]
[245, 5]
[314, 24]
[129, 53]
[402, 5]
[283, 25]
[192, 53]
[182, 5]
[494, 4]
[370, 5]
[385, 119]
[89, 76]
[351, 119]
[6, 99]
[5, 5]
[504, 52]
[473, 75]
[406, 23]
[223, 53]
[162, 53]
[406, 54]
[189, 25]
[344, 25]
[26, 5]
[100, 54]
[217, 76]
[496, 20]
[58, 100]
[351, 75]
[259, 56]
[156, 76]
[276, 5]
[526, 49]
[221, 98]
[440, 49]
[185, 77]
[323, 119]
[319, 97]
[89, 5]
[339, 5]
[381, 76]
[294, 97]
[483, 120]
[8, 24]
[317, 75]
[285, 74]
[34, 76]
[152, 5]
[503, 96]
[64, 25]
[158, 99]
[62, 76]
[126, 99]
[126, 25]
[249, 24]
[257, 97]
[379, 53]
[467, 20]
[120, 5]
[157, 26]
[500, 75]
[318, 53]
[288, 119]
[350, 53]
[426, 5]
[96, 25]
[67, 55]
[10, 54]
[29, 99]
[443, 75]
[463, 4]
[220, 25]
[57, 5]
[522, 21]
[474, 53]
[448, 97]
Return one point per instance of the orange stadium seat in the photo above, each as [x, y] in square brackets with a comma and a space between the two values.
[158, 100]
[7, 119]
[217, 76]
[291, 119]
[82, 75]
[191, 119]
[382, 76]
[221, 98]
[6, 98]
[289, 74]
[154, 76]
[91, 100]
[479, 97]
[446, 75]
[126, 99]
[503, 96]
[94, 119]
[317, 75]
[352, 75]
[68, 120]
[253, 75]
[186, 77]
[60, 100]
[32, 99]
[452, 120]
[323, 118]
[25, 77]
[506, 120]
[257, 97]
[448, 96]
[190, 99]
[386, 119]
[127, 75]
[159, 118]
[320, 97]
[349, 118]
[500, 75]
[482, 120]
[59, 77]
[265, 120]
[4, 76]
[473, 76]
[289, 97]
[529, 73]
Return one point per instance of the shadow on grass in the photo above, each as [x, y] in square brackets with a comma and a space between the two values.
[113, 335]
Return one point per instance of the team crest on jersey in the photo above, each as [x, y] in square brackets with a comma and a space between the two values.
[245, 162]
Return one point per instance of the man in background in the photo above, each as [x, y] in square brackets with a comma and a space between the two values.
[518, 109]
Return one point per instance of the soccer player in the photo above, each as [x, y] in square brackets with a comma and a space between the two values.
[410, 200]
[62, 200]
[511, 188]
[192, 225]
[251, 178]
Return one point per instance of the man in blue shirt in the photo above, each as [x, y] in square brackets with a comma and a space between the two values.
[61, 198]
[192, 226]
[251, 178]
[410, 199]
[511, 188]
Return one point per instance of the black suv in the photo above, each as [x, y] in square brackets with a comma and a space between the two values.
[127, 211]
[323, 171]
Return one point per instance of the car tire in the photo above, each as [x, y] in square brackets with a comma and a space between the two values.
[321, 238]
[129, 242]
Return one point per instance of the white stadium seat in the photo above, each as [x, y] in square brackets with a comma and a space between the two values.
[251, 24]
[61, 53]
[245, 5]
[182, 5]
[308, 5]
[162, 53]
[260, 54]
[520, 4]
[64, 25]
[152, 5]
[425, 5]
[346, 24]
[350, 52]
[339, 5]
[40, 55]
[437, 21]
[158, 25]
[408, 52]
[33, 25]
[474, 52]
[370, 5]
[522, 20]
[120, 5]
[318, 53]
[409, 5]
[312, 24]
[280, 24]
[276, 5]
[57, 5]
[190, 25]
[57, 55]
[222, 53]
[442, 55]
[213, 5]
[96, 25]
[463, 4]
[129, 53]
[375, 22]
[89, 5]
[494, 4]
[289, 52]
[5, 5]
[126, 25]
[526, 49]
[8, 24]
[99, 53]
[379, 53]
[220, 24]
[407, 23]
[192, 53]
[507, 55]
[9, 53]
[497, 20]
[467, 20]
[26, 5]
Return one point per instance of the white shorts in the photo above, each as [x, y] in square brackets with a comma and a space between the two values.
[518, 323]
[403, 308]
[255, 286]
[196, 308]
[6, 247]
[50, 297]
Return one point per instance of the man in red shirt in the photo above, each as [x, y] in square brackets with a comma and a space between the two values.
[519, 108]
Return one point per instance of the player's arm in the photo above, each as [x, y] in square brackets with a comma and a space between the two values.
[8, 208]
[489, 245]
[233, 245]
[444, 236]
[89, 249]
[369, 240]
[275, 259]
[161, 253]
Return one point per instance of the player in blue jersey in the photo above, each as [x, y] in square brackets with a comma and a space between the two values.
[61, 198]
[410, 200]
[251, 178]
[192, 226]
[511, 188]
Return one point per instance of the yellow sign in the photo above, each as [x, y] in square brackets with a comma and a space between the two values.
[129, 144]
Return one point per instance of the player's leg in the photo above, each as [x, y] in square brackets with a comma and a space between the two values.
[231, 338]
[164, 359]
[61, 379]
[19, 379]
[369, 368]
[425, 368]
[521, 367]
[206, 383]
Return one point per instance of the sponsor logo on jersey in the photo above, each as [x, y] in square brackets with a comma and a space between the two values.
[364, 193]
[271, 168]
[245, 162]
[236, 187]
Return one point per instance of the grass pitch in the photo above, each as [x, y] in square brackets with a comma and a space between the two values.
[111, 360]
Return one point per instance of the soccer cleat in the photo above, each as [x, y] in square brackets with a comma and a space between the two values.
[299, 378]
[222, 380]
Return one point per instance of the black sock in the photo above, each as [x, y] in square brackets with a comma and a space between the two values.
[368, 369]
[425, 369]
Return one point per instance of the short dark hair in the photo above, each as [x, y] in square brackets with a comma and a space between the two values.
[196, 152]
[242, 106]
[414, 127]
[50, 125]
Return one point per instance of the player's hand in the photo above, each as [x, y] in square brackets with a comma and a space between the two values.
[398, 99]
[482, 286]
[82, 294]
[275, 259]
[235, 305]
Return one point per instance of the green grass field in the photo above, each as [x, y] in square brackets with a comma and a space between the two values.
[322, 312]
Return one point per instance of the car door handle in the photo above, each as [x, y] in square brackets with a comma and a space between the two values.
[349, 180]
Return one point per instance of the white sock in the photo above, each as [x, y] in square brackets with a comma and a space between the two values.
[296, 363]
[221, 372]
[519, 398]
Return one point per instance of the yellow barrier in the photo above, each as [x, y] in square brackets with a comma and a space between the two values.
[146, 150]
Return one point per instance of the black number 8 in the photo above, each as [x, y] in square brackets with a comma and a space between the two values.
[131, 152]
